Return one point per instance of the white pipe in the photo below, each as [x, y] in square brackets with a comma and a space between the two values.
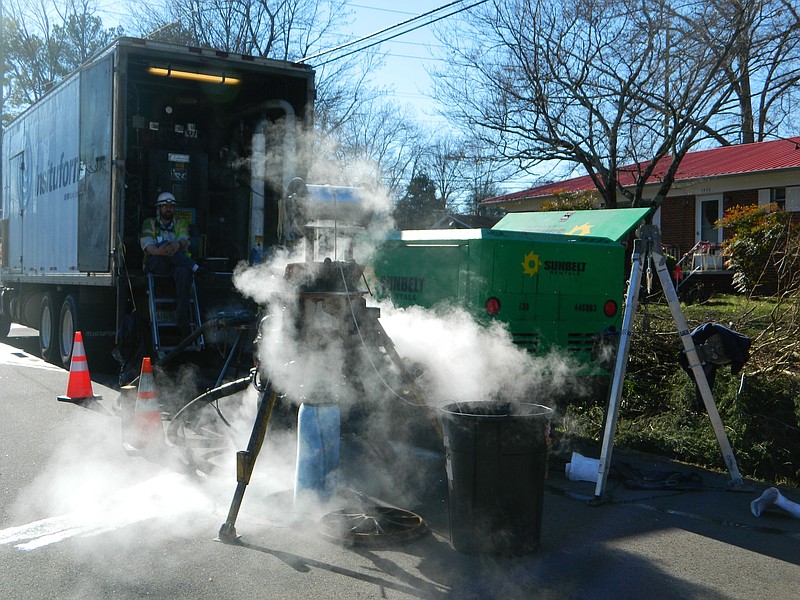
[258, 166]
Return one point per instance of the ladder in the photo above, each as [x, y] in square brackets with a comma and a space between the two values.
[164, 327]
[648, 245]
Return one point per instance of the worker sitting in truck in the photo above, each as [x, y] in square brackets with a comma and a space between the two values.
[165, 243]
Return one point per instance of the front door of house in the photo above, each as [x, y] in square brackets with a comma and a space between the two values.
[708, 211]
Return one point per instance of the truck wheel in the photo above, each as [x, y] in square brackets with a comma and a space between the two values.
[48, 332]
[5, 326]
[66, 326]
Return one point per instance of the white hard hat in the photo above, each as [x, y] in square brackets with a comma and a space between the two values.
[165, 198]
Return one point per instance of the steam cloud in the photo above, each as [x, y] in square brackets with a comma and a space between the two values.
[456, 360]
[464, 361]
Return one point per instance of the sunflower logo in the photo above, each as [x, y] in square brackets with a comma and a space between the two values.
[531, 264]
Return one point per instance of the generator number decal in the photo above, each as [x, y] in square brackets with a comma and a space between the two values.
[532, 264]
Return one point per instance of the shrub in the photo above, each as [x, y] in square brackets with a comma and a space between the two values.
[762, 237]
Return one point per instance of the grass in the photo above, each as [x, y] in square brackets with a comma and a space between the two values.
[760, 406]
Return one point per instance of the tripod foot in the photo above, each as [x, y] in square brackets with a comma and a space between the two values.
[227, 534]
[738, 485]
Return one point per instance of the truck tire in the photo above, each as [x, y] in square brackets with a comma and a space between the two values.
[5, 326]
[48, 330]
[67, 322]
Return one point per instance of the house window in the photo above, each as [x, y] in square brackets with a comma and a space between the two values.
[778, 196]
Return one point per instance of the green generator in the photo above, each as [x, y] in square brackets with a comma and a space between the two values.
[555, 279]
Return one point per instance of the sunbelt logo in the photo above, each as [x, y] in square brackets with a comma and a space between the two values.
[532, 264]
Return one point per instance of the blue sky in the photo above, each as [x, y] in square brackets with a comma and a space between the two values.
[408, 57]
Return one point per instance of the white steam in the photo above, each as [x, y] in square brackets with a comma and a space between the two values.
[464, 361]
[92, 489]
[455, 358]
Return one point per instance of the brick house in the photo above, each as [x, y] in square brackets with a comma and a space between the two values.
[707, 183]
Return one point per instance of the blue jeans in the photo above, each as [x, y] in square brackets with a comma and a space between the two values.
[179, 266]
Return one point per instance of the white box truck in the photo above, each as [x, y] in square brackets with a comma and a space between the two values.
[82, 167]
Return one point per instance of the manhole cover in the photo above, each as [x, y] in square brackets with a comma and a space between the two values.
[373, 525]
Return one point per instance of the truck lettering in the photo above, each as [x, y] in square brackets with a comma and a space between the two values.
[564, 267]
[56, 176]
[399, 283]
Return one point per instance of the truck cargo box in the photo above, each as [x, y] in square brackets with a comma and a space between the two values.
[83, 166]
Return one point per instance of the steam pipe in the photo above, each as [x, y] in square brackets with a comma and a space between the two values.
[228, 389]
[289, 145]
[258, 174]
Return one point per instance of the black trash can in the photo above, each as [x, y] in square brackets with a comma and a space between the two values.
[496, 457]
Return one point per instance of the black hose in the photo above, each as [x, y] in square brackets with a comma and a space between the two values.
[227, 389]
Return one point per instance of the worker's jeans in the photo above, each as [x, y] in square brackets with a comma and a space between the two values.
[180, 267]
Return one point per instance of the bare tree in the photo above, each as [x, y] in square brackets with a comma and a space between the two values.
[280, 29]
[764, 70]
[465, 171]
[592, 83]
[82, 31]
[343, 89]
[380, 141]
[480, 169]
[442, 160]
[31, 55]
[46, 41]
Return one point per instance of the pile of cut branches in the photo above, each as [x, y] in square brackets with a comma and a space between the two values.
[760, 406]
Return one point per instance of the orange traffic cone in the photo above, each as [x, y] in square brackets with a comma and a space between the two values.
[148, 432]
[79, 387]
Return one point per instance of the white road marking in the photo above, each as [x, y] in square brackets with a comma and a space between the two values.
[9, 355]
[163, 496]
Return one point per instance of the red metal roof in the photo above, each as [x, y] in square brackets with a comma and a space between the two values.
[726, 160]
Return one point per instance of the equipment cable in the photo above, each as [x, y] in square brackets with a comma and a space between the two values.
[124, 257]
[364, 346]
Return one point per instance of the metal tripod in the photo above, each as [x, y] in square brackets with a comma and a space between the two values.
[358, 328]
[648, 245]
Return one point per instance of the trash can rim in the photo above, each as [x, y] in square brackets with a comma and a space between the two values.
[452, 408]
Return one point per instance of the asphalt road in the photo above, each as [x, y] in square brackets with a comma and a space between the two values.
[81, 518]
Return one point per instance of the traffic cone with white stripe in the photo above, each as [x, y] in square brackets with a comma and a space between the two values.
[147, 430]
[79, 387]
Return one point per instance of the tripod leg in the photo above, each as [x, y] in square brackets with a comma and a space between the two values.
[631, 303]
[697, 369]
[246, 460]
